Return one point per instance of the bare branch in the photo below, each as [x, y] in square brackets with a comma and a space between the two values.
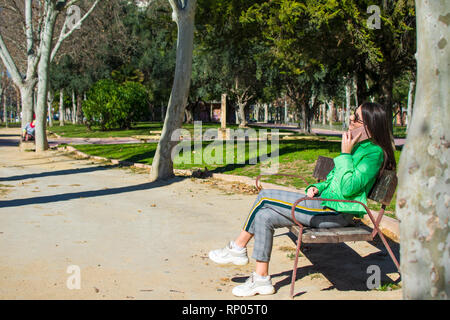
[29, 26]
[9, 62]
[64, 35]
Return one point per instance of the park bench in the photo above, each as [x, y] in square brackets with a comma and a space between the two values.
[381, 192]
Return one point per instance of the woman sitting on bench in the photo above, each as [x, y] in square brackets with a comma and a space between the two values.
[365, 150]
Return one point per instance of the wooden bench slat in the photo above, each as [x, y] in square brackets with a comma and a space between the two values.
[323, 166]
[333, 235]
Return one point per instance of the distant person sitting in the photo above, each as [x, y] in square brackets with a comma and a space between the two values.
[29, 131]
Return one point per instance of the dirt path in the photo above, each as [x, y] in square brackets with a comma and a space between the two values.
[133, 239]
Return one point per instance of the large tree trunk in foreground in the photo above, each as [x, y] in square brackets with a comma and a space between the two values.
[162, 165]
[423, 197]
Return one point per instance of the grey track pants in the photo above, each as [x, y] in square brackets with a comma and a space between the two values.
[272, 209]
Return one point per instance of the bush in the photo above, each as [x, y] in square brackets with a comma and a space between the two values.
[111, 105]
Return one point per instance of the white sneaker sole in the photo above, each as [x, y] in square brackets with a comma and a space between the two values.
[263, 290]
[235, 260]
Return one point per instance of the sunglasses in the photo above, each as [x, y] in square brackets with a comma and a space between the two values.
[356, 118]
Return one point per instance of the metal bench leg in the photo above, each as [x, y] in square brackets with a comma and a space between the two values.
[386, 245]
[383, 239]
[294, 270]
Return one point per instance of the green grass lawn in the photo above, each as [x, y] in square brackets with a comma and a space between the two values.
[295, 157]
[139, 129]
[10, 125]
[399, 132]
[143, 129]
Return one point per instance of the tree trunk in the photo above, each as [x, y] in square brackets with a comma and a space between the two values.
[387, 85]
[257, 107]
[19, 106]
[1, 96]
[348, 96]
[241, 112]
[303, 124]
[410, 102]
[50, 98]
[79, 109]
[74, 108]
[266, 113]
[324, 114]
[27, 100]
[45, 49]
[331, 113]
[189, 116]
[5, 110]
[162, 166]
[61, 107]
[360, 88]
[423, 193]
[285, 111]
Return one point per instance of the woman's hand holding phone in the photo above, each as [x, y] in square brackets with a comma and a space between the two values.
[348, 142]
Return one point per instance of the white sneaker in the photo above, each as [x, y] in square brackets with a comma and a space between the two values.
[253, 286]
[228, 254]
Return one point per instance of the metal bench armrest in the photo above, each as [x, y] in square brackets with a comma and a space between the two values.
[322, 199]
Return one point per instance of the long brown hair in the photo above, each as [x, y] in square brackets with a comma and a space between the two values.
[377, 123]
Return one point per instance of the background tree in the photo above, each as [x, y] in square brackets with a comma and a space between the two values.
[38, 21]
[184, 16]
[234, 48]
[380, 54]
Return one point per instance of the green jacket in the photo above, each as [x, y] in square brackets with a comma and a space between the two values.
[352, 178]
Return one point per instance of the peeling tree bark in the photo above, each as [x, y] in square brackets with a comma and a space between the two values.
[184, 16]
[423, 197]
[410, 102]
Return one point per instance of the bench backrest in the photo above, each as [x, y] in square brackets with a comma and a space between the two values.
[382, 191]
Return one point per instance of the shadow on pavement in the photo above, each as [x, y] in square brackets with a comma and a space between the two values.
[9, 142]
[342, 266]
[9, 135]
[58, 173]
[345, 268]
[88, 194]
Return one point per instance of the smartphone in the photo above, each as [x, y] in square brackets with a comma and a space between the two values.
[363, 132]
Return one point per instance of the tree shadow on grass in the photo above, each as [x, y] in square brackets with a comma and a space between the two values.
[89, 194]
